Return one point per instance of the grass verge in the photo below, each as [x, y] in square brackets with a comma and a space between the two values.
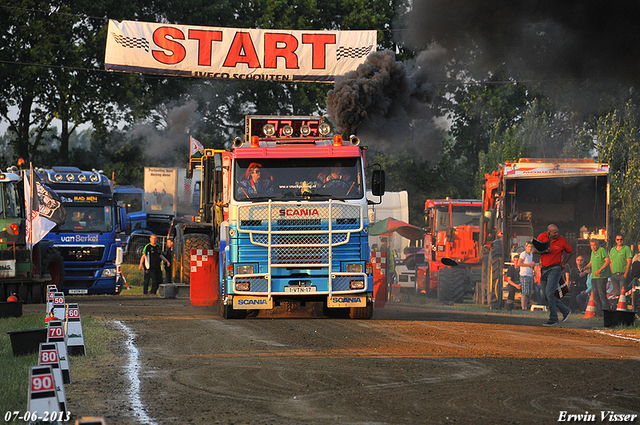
[14, 373]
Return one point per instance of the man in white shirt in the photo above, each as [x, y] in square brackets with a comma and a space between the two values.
[525, 263]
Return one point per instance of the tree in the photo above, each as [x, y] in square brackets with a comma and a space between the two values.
[616, 138]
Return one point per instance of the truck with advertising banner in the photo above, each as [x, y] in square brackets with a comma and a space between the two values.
[452, 228]
[521, 198]
[24, 272]
[89, 240]
[286, 210]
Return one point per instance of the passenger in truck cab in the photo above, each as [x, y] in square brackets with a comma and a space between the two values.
[334, 177]
[254, 183]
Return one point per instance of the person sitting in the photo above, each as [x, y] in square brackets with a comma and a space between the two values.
[334, 178]
[254, 183]
[512, 278]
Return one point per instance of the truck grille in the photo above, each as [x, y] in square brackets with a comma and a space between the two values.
[81, 253]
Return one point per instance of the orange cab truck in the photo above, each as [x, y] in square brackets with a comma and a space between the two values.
[520, 199]
[452, 227]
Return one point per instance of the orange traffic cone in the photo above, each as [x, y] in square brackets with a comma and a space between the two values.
[622, 301]
[591, 308]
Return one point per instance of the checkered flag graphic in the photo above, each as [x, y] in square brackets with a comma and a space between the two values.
[131, 42]
[353, 52]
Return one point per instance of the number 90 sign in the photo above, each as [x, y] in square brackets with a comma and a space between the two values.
[42, 383]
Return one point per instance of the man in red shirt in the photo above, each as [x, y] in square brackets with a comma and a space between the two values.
[553, 261]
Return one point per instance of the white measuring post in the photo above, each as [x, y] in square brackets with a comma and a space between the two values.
[49, 356]
[59, 306]
[51, 290]
[43, 399]
[75, 336]
[55, 333]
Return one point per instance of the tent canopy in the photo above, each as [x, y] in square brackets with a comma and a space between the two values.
[389, 225]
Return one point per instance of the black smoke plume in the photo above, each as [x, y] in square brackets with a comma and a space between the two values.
[584, 40]
[387, 101]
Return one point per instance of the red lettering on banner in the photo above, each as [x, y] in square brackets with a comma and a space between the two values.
[178, 52]
[205, 38]
[319, 50]
[242, 43]
[272, 52]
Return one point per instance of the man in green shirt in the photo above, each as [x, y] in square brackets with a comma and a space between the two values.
[620, 264]
[600, 275]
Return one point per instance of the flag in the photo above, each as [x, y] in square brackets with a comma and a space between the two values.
[195, 147]
[44, 210]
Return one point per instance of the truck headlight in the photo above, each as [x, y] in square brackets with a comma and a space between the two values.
[110, 272]
[354, 268]
[244, 269]
[242, 285]
[356, 284]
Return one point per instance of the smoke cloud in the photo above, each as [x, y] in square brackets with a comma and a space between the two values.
[387, 102]
[165, 145]
[544, 39]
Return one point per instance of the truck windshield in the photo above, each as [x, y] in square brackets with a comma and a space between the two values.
[132, 201]
[87, 219]
[301, 178]
[10, 206]
[462, 215]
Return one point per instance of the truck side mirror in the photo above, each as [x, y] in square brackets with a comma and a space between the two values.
[377, 183]
[123, 224]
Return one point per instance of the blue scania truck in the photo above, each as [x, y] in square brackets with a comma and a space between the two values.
[89, 240]
[286, 211]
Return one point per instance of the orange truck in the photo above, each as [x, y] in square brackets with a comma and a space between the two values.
[521, 198]
[452, 228]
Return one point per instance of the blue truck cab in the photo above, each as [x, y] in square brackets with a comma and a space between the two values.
[89, 240]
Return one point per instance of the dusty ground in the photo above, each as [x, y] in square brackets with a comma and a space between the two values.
[411, 364]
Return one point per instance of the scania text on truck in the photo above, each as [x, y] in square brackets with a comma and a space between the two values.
[452, 228]
[89, 240]
[23, 272]
[287, 209]
[520, 199]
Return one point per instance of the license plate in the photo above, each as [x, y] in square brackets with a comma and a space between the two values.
[78, 291]
[299, 289]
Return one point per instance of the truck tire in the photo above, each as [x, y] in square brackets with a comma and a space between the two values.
[362, 313]
[444, 283]
[54, 266]
[192, 241]
[37, 292]
[457, 284]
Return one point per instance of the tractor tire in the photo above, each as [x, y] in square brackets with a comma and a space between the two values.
[444, 285]
[496, 264]
[362, 313]
[457, 284]
[54, 265]
[192, 241]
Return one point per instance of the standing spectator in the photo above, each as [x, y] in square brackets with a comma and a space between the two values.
[620, 256]
[526, 264]
[151, 258]
[577, 283]
[600, 269]
[553, 260]
[512, 278]
[168, 254]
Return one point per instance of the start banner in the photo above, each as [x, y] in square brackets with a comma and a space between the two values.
[233, 53]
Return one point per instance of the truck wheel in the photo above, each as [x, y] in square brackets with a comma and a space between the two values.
[335, 313]
[444, 283]
[37, 295]
[54, 265]
[457, 284]
[192, 241]
[362, 313]
[228, 312]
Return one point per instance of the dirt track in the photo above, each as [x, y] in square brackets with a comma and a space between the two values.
[411, 364]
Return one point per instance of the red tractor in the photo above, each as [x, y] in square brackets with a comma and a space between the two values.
[452, 228]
